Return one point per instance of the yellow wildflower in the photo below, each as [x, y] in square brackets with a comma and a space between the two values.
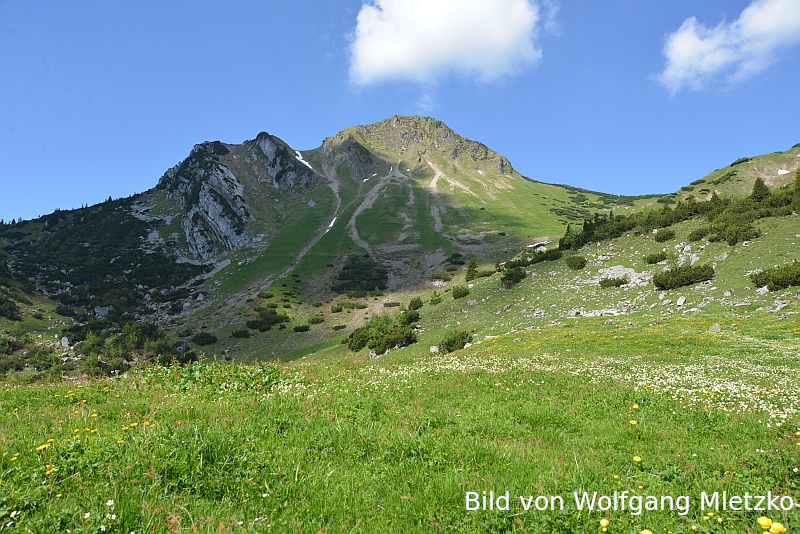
[764, 522]
[637, 458]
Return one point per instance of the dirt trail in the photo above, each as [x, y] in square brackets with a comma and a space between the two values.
[368, 202]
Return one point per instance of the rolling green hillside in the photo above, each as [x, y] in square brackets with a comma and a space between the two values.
[405, 329]
[233, 220]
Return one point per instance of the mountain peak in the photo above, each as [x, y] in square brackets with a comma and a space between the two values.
[413, 137]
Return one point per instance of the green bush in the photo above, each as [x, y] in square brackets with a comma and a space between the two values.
[455, 340]
[204, 338]
[9, 309]
[301, 328]
[380, 334]
[664, 235]
[350, 305]
[339, 327]
[408, 317]
[10, 344]
[683, 275]
[778, 278]
[513, 276]
[267, 318]
[316, 320]
[435, 298]
[576, 262]
[391, 304]
[613, 282]
[657, 257]
[699, 233]
[460, 292]
[336, 308]
[241, 333]
[415, 303]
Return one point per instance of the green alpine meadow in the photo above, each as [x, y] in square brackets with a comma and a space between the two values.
[399, 266]
[494, 334]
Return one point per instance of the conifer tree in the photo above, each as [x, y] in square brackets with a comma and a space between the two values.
[760, 190]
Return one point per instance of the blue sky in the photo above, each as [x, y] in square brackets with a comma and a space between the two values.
[99, 98]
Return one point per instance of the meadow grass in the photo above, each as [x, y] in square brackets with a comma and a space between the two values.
[339, 443]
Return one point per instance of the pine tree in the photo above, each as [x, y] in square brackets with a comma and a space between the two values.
[796, 201]
[472, 271]
[760, 190]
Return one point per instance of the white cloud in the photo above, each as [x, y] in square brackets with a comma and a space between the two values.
[421, 40]
[697, 54]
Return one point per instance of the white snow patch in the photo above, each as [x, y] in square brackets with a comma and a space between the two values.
[781, 172]
[299, 157]
[480, 172]
[331, 225]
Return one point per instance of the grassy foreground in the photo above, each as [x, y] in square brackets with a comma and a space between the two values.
[340, 444]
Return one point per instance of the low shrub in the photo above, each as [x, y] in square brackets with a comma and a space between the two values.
[339, 327]
[380, 334]
[415, 303]
[435, 298]
[316, 320]
[391, 304]
[336, 308]
[613, 282]
[267, 318]
[513, 276]
[204, 338]
[778, 278]
[576, 262]
[460, 292]
[408, 317]
[241, 333]
[683, 275]
[9, 309]
[301, 328]
[455, 340]
[350, 305]
[664, 235]
[699, 233]
[657, 257]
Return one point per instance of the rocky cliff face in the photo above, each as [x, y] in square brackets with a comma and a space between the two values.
[285, 167]
[215, 199]
[216, 213]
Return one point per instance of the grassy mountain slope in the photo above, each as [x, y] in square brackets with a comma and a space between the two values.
[776, 169]
[648, 401]
[565, 385]
[233, 223]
